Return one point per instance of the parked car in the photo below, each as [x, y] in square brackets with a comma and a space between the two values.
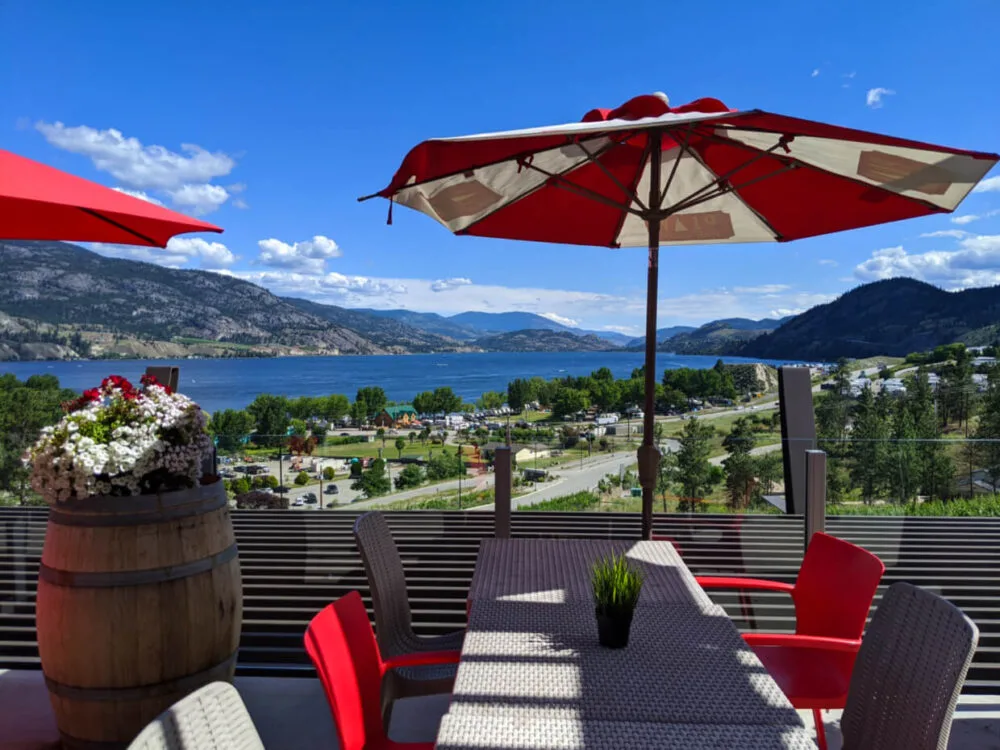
[332, 489]
[310, 498]
[298, 502]
[345, 434]
[330, 505]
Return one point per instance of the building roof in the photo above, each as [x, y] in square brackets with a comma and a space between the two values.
[397, 411]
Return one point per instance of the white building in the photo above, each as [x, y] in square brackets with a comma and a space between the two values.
[893, 386]
[455, 420]
[984, 361]
[606, 419]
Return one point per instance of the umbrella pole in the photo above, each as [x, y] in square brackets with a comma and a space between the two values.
[649, 455]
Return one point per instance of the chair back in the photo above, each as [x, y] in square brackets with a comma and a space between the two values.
[211, 718]
[835, 588]
[342, 646]
[387, 582]
[909, 673]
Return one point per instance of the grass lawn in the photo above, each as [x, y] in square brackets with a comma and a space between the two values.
[869, 363]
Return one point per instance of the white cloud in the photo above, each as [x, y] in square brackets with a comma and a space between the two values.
[239, 203]
[763, 289]
[874, 97]
[815, 72]
[334, 288]
[953, 233]
[849, 75]
[134, 164]
[828, 262]
[138, 194]
[309, 256]
[975, 262]
[208, 254]
[181, 252]
[969, 218]
[990, 184]
[146, 254]
[443, 285]
[627, 330]
[200, 199]
[560, 319]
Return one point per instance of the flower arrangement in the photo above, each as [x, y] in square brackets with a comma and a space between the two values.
[121, 440]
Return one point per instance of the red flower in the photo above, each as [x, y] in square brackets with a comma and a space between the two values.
[150, 381]
[90, 395]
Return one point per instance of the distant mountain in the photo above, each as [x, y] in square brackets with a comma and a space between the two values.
[725, 336]
[429, 322]
[662, 334]
[535, 340]
[893, 317]
[507, 321]
[389, 333]
[136, 307]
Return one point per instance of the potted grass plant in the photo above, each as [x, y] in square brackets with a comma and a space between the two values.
[617, 585]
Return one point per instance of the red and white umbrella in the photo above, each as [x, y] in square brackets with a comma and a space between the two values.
[646, 175]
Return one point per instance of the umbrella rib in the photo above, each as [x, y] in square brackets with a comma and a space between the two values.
[693, 200]
[600, 152]
[632, 195]
[637, 178]
[673, 169]
[112, 222]
[807, 165]
[561, 182]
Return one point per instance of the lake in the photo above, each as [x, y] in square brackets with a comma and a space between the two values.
[234, 383]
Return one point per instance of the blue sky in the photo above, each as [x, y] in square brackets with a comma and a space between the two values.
[270, 118]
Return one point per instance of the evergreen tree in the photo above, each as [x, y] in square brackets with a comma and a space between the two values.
[694, 472]
[739, 464]
[988, 430]
[869, 444]
[373, 481]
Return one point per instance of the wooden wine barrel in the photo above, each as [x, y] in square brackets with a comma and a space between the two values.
[139, 602]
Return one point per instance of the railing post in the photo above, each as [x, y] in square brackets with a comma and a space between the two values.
[501, 492]
[815, 514]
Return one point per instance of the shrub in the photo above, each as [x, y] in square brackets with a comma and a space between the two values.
[411, 476]
[302, 479]
[328, 473]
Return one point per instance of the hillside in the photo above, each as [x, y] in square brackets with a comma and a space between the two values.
[133, 304]
[892, 317]
[543, 341]
[662, 334]
[386, 332]
[428, 322]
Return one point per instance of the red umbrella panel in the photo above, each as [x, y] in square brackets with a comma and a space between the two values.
[39, 202]
[646, 175]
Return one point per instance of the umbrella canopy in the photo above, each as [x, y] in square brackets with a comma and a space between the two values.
[646, 174]
[38, 202]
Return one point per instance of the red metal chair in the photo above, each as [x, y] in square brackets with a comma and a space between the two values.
[832, 595]
[341, 643]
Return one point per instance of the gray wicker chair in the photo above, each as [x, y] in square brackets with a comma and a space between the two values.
[211, 718]
[393, 620]
[909, 673]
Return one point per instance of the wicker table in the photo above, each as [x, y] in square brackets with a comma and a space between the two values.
[533, 675]
[558, 570]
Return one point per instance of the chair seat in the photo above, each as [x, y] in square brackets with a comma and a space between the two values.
[433, 673]
[809, 677]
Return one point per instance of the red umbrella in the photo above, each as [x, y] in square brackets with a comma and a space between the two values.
[38, 202]
[646, 175]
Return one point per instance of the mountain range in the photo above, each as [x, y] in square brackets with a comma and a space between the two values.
[61, 301]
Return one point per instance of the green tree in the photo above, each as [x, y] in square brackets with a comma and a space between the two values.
[305, 407]
[231, 427]
[335, 407]
[666, 476]
[369, 401]
[569, 401]
[380, 434]
[444, 466]
[518, 394]
[491, 400]
[302, 478]
[328, 473]
[904, 460]
[400, 444]
[446, 400]
[424, 403]
[870, 444]
[740, 466]
[694, 471]
[373, 482]
[412, 436]
[240, 486]
[270, 413]
[410, 476]
[299, 427]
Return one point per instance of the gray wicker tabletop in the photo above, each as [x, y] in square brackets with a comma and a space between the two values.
[558, 570]
[463, 732]
[684, 664]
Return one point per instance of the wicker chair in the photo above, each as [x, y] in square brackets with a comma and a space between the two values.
[393, 621]
[909, 673]
[211, 718]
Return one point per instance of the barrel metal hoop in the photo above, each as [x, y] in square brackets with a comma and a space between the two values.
[151, 516]
[182, 685]
[121, 578]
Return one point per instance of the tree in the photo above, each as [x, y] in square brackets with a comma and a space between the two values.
[423, 403]
[425, 435]
[491, 400]
[328, 473]
[412, 436]
[305, 407]
[302, 478]
[904, 460]
[231, 427]
[271, 416]
[335, 407]
[240, 486]
[988, 430]
[369, 402]
[569, 401]
[870, 444]
[694, 472]
[739, 464]
[400, 444]
[518, 394]
[444, 466]
[666, 476]
[410, 476]
[373, 482]
[446, 400]
[299, 427]
[380, 434]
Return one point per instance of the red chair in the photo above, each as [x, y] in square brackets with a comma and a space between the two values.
[832, 595]
[341, 643]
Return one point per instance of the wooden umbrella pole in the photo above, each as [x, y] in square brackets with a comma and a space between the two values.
[649, 455]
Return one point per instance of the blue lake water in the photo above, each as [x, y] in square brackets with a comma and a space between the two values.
[234, 383]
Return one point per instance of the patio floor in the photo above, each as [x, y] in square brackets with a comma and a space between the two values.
[292, 714]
